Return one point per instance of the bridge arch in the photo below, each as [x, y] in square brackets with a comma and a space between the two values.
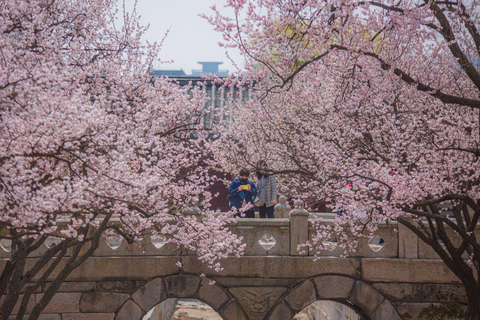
[159, 289]
[358, 295]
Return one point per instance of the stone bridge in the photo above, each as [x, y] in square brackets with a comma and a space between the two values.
[393, 279]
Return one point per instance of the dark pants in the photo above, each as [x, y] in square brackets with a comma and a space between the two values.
[248, 214]
[266, 212]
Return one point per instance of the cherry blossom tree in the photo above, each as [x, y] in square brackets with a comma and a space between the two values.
[91, 146]
[373, 106]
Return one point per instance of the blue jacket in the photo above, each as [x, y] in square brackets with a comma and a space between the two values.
[236, 197]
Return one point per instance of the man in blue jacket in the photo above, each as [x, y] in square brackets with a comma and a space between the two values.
[242, 192]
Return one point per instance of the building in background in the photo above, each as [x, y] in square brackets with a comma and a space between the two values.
[216, 109]
[208, 67]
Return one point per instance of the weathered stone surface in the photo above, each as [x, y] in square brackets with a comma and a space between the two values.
[257, 301]
[389, 248]
[102, 301]
[145, 248]
[74, 286]
[385, 311]
[281, 247]
[61, 302]
[402, 270]
[380, 269]
[412, 310]
[282, 209]
[408, 242]
[41, 317]
[119, 286]
[50, 317]
[133, 268]
[301, 296]
[150, 294]
[255, 282]
[181, 286]
[252, 232]
[279, 267]
[333, 287]
[88, 316]
[212, 294]
[233, 311]
[298, 226]
[53, 316]
[129, 311]
[422, 292]
[366, 297]
[30, 304]
[281, 312]
[264, 223]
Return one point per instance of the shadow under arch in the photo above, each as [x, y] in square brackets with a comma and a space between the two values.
[358, 295]
[159, 289]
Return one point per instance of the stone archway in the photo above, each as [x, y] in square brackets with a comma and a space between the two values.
[180, 286]
[362, 297]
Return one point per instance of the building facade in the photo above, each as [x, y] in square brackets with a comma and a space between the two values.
[217, 108]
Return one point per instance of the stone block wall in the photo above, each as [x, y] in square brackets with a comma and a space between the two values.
[272, 287]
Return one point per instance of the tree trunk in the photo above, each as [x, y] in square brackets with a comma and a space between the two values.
[15, 284]
[473, 296]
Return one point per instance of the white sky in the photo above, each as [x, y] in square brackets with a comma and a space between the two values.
[191, 38]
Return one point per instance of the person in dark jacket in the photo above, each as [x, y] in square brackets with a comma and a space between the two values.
[242, 192]
[269, 184]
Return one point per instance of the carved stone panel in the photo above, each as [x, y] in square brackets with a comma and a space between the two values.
[257, 301]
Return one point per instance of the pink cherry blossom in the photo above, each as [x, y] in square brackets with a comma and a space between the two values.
[372, 106]
[91, 145]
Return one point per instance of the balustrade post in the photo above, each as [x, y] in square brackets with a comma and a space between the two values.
[192, 210]
[298, 228]
[282, 208]
[407, 242]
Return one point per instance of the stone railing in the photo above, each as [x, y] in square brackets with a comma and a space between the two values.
[279, 237]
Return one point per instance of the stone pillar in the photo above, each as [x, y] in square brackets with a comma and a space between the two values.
[298, 228]
[282, 208]
[192, 210]
[407, 242]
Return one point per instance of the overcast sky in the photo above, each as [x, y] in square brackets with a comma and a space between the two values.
[190, 39]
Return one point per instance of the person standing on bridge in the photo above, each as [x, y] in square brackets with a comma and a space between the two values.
[267, 191]
[241, 193]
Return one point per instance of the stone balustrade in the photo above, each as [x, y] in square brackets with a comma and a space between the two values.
[281, 237]
[395, 278]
